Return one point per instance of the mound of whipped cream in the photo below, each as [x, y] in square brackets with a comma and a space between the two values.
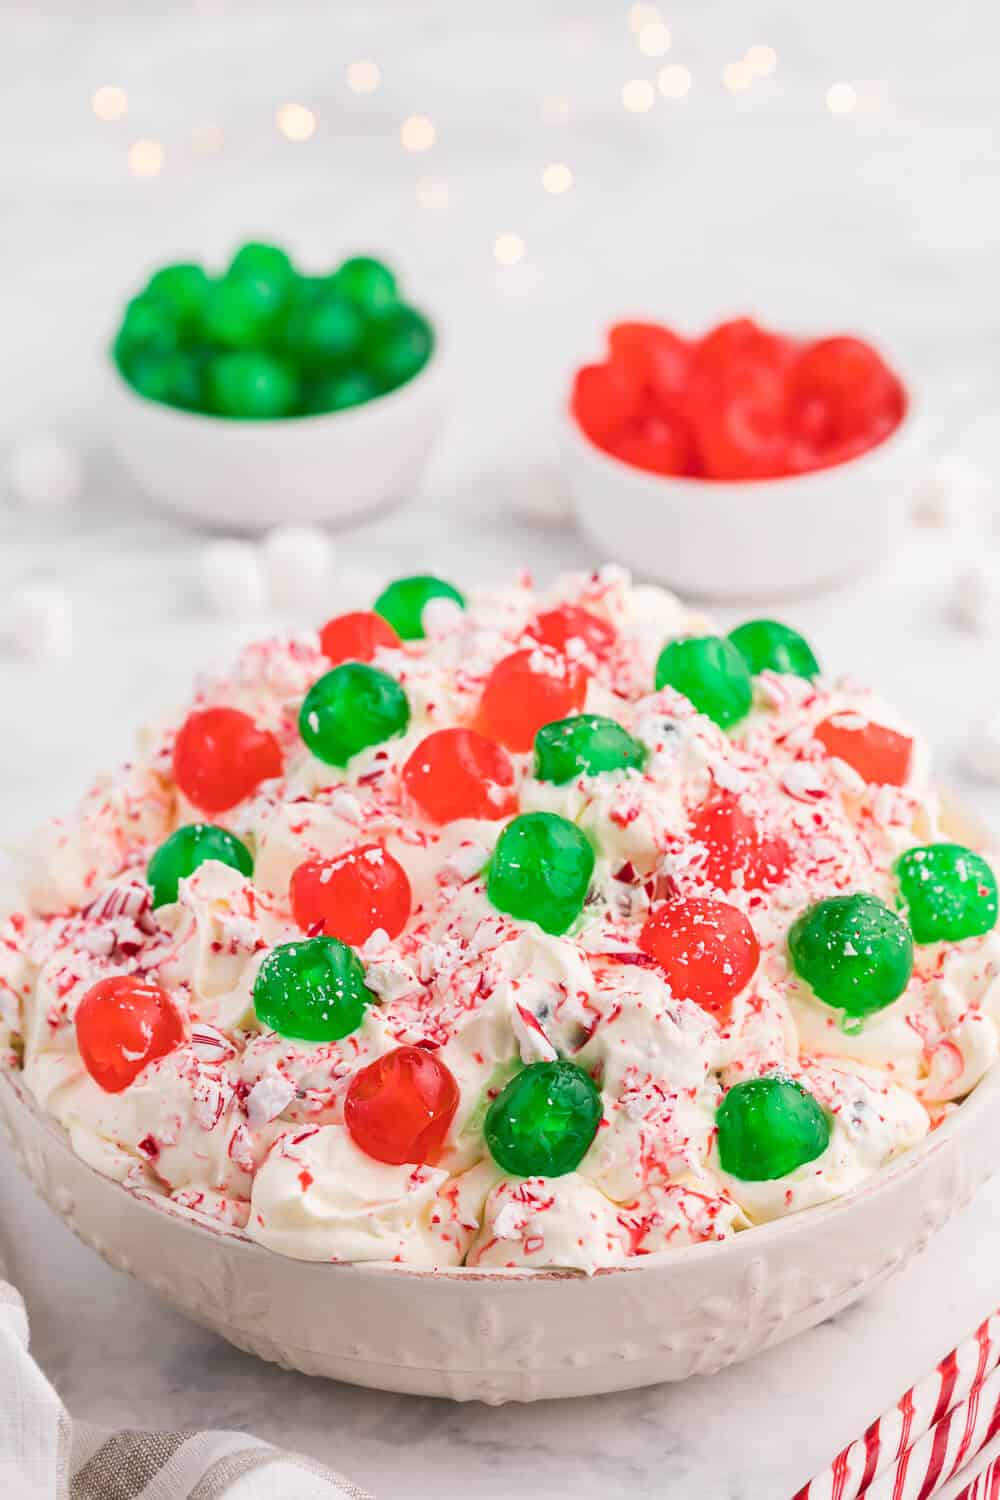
[246, 1127]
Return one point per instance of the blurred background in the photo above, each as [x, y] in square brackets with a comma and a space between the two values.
[533, 172]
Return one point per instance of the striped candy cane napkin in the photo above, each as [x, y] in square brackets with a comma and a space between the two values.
[46, 1456]
[941, 1441]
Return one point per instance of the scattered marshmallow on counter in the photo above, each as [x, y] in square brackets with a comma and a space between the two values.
[954, 493]
[232, 579]
[540, 496]
[38, 621]
[298, 566]
[976, 599]
[45, 473]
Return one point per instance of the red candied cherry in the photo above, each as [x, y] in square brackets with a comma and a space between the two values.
[837, 386]
[356, 636]
[877, 753]
[569, 622]
[659, 443]
[351, 895]
[457, 773]
[221, 757]
[399, 1108]
[121, 1025]
[527, 689]
[657, 356]
[605, 399]
[738, 423]
[739, 341]
[707, 950]
[737, 851]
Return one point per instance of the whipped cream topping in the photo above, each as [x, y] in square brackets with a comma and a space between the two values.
[247, 1127]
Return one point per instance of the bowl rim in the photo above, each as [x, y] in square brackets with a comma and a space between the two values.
[899, 440]
[352, 416]
[799, 1225]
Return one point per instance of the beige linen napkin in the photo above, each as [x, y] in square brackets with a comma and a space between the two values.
[46, 1456]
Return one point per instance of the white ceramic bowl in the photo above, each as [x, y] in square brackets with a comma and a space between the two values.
[520, 1336]
[248, 476]
[742, 539]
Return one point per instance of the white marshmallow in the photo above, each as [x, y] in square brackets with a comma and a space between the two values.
[39, 621]
[954, 493]
[540, 496]
[232, 580]
[976, 599]
[298, 566]
[45, 473]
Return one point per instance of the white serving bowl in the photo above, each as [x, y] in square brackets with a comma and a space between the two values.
[746, 539]
[248, 476]
[520, 1336]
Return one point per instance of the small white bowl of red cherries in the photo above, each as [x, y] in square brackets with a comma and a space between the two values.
[742, 463]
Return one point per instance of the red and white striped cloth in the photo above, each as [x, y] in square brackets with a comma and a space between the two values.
[930, 1436]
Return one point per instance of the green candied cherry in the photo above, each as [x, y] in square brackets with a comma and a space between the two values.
[769, 1126]
[313, 990]
[710, 672]
[184, 287]
[323, 328]
[543, 1122]
[948, 893]
[540, 871]
[175, 379]
[181, 854]
[337, 392]
[398, 346]
[853, 952]
[403, 603]
[368, 283]
[585, 745]
[148, 327]
[768, 646]
[240, 312]
[350, 708]
[251, 385]
[255, 261]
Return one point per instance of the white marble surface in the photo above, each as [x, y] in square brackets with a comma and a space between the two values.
[885, 219]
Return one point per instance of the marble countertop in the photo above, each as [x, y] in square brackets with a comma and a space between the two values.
[885, 220]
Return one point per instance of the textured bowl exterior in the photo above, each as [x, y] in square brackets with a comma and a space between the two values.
[248, 476]
[520, 1336]
[745, 540]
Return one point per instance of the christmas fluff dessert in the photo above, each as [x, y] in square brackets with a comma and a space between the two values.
[524, 929]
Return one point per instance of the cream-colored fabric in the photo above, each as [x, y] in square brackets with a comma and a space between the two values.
[45, 1456]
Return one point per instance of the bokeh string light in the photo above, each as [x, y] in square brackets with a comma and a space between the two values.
[109, 102]
[557, 178]
[295, 121]
[737, 76]
[841, 98]
[638, 95]
[640, 15]
[146, 158]
[417, 133]
[508, 249]
[761, 59]
[363, 76]
[674, 81]
[654, 39]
